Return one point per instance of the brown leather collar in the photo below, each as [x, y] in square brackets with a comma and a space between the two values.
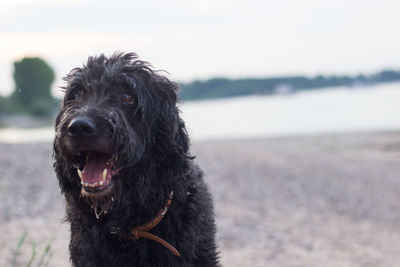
[142, 231]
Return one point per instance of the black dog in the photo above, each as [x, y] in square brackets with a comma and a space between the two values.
[134, 196]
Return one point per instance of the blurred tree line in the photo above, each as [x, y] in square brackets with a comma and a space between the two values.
[222, 87]
[33, 78]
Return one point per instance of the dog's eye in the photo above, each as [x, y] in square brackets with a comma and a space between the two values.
[74, 96]
[127, 98]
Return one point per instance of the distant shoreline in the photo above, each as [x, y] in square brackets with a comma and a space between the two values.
[224, 87]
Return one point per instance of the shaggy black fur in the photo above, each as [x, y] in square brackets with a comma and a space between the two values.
[127, 112]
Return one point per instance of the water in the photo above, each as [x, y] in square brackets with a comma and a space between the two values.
[335, 110]
[14, 135]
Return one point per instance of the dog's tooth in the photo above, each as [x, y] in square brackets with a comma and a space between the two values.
[104, 174]
[80, 173]
[112, 199]
[101, 182]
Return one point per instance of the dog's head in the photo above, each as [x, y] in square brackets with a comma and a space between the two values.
[118, 114]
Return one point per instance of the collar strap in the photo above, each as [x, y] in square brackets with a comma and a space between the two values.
[143, 230]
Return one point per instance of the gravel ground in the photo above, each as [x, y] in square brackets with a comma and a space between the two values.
[298, 201]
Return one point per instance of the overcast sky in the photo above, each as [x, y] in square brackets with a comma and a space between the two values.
[205, 38]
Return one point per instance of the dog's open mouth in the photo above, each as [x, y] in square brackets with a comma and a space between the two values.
[96, 171]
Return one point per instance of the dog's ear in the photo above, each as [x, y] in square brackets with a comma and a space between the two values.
[169, 115]
[157, 103]
[167, 133]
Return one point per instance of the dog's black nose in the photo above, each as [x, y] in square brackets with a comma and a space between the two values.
[81, 127]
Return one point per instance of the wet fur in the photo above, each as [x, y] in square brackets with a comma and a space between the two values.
[152, 145]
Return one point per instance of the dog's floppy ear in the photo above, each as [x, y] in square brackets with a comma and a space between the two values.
[169, 115]
[157, 99]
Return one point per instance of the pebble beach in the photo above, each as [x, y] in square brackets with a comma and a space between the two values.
[328, 200]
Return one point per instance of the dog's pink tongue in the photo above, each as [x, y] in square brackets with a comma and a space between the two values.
[94, 168]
